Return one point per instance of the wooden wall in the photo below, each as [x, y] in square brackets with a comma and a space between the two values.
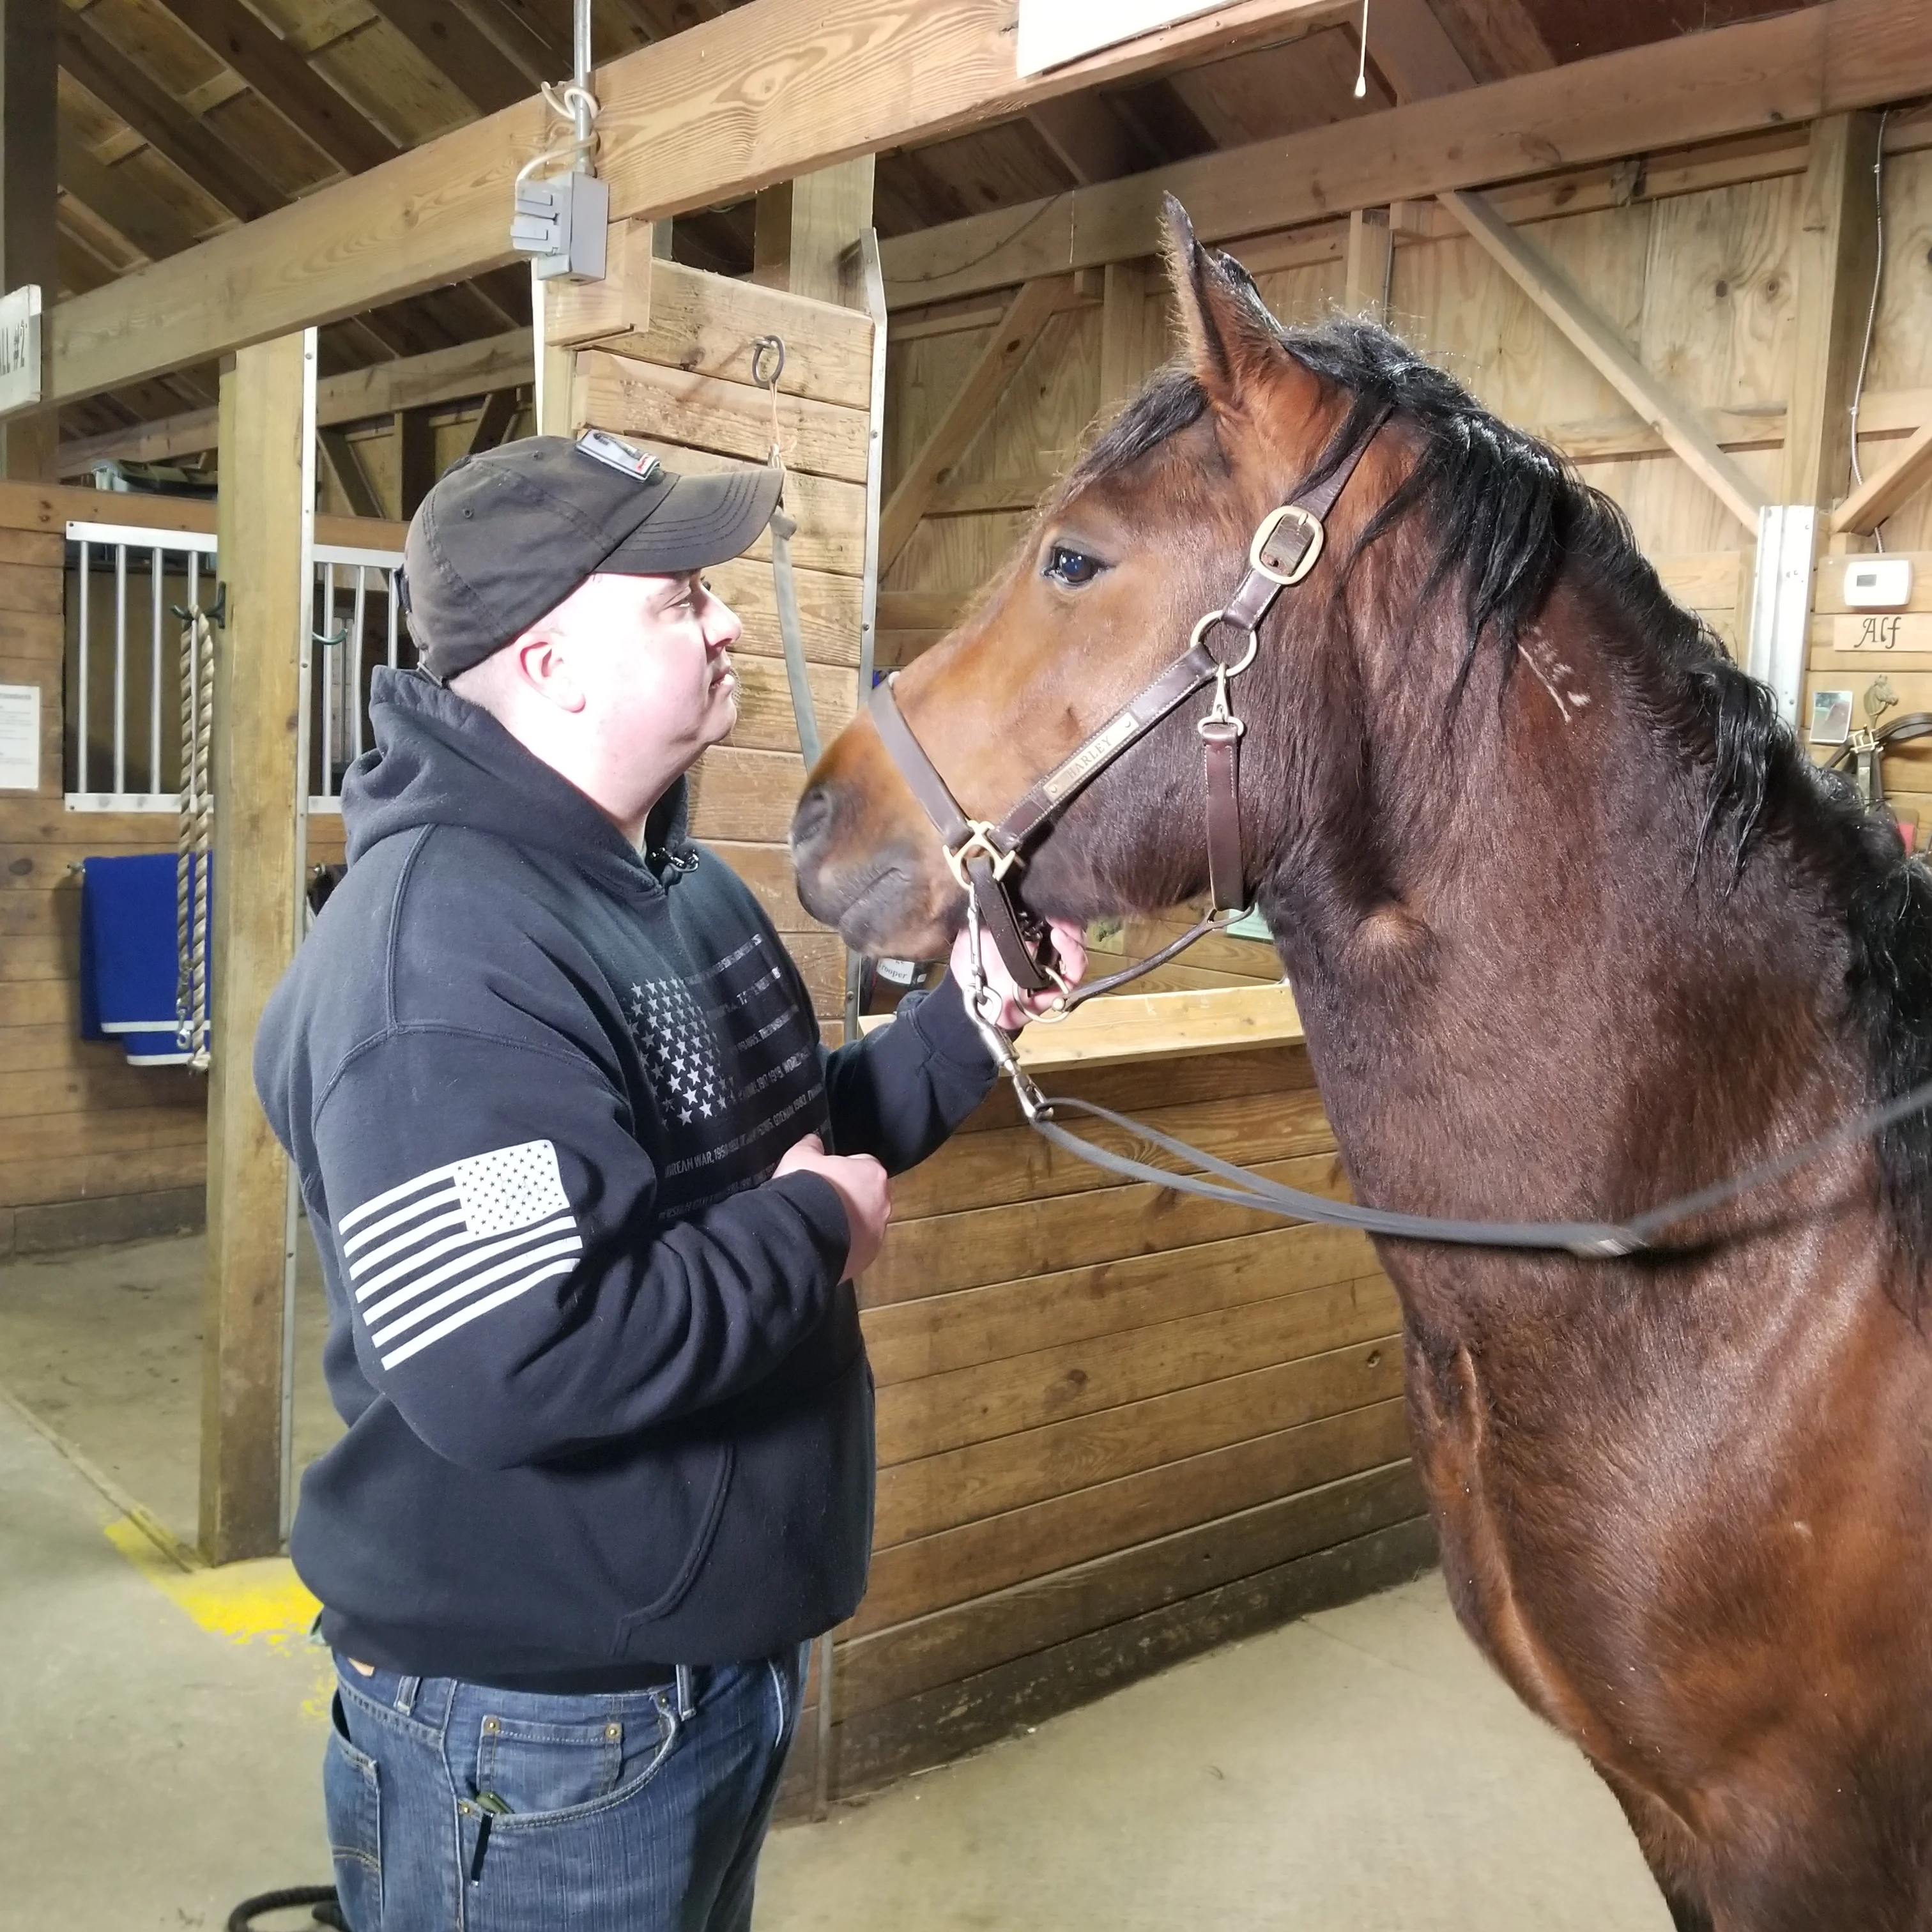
[1115, 1426]
[1693, 256]
[681, 386]
[91, 1148]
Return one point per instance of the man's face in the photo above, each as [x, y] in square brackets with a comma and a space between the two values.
[651, 656]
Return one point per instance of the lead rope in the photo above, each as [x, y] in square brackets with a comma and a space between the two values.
[1235, 1186]
[193, 839]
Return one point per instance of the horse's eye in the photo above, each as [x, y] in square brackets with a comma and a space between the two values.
[1072, 567]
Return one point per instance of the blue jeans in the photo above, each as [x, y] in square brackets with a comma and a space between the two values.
[455, 1808]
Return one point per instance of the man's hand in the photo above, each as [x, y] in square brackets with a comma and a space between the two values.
[860, 1182]
[1016, 1008]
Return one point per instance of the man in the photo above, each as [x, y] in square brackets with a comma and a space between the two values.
[560, 1113]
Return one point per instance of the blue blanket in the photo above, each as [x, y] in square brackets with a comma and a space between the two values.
[130, 963]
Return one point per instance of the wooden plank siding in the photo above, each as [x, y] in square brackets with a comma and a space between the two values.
[1114, 1425]
[678, 383]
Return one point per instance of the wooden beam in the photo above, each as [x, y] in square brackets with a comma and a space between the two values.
[442, 376]
[1087, 137]
[1880, 494]
[459, 50]
[808, 229]
[1761, 75]
[416, 460]
[760, 94]
[259, 519]
[1606, 352]
[121, 86]
[1365, 280]
[966, 414]
[1836, 260]
[357, 492]
[300, 94]
[499, 411]
[1123, 359]
[29, 207]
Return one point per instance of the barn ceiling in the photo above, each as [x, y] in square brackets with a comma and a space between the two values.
[179, 118]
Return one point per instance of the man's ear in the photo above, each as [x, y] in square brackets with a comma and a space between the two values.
[1233, 347]
[544, 667]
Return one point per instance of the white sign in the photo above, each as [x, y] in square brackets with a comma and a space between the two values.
[20, 348]
[1052, 32]
[19, 737]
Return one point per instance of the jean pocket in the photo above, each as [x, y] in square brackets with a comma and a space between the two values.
[352, 1796]
[538, 1770]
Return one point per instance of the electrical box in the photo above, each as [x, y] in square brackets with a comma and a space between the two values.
[561, 224]
[1878, 583]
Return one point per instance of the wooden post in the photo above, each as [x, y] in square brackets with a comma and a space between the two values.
[1123, 357]
[1365, 282]
[29, 235]
[806, 229]
[1837, 256]
[266, 478]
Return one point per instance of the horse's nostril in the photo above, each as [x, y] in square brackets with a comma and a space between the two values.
[813, 817]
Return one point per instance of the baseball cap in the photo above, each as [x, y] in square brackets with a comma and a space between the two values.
[507, 536]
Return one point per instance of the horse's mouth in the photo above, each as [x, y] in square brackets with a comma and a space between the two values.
[881, 915]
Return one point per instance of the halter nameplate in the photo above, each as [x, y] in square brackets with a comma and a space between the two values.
[1101, 749]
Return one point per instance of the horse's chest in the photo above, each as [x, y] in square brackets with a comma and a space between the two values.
[1493, 1557]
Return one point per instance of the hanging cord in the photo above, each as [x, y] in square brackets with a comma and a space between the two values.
[1871, 313]
[563, 99]
[768, 362]
[194, 839]
[1362, 59]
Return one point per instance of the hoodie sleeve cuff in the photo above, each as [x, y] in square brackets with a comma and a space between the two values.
[817, 1204]
[942, 1022]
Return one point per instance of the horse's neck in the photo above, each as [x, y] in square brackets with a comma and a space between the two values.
[1536, 1010]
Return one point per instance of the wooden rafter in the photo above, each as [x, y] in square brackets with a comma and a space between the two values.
[1417, 57]
[452, 43]
[965, 415]
[1584, 327]
[1088, 139]
[92, 60]
[278, 73]
[117, 196]
[844, 78]
[1843, 54]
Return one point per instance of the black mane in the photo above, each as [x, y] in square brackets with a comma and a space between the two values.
[1504, 513]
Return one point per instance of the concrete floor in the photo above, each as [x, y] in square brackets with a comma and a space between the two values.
[1361, 1769]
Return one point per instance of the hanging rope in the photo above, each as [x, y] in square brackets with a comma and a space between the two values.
[768, 361]
[193, 841]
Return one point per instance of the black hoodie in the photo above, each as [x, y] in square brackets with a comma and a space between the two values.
[607, 1402]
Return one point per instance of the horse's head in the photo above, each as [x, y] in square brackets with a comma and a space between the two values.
[1150, 530]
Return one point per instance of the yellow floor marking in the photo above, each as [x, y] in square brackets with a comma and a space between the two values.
[260, 1602]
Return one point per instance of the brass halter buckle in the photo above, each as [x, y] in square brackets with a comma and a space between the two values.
[1265, 535]
[979, 844]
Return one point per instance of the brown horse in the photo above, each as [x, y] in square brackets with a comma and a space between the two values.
[1574, 928]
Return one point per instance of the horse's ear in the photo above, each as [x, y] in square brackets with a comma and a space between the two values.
[1231, 342]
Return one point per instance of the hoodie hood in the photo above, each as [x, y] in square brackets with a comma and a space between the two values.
[439, 760]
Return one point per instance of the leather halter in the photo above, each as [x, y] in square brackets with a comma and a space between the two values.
[984, 857]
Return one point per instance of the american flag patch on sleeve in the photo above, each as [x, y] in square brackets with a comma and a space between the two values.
[427, 1258]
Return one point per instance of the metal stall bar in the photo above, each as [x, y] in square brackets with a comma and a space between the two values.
[155, 670]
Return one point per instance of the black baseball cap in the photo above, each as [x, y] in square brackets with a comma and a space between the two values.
[505, 536]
